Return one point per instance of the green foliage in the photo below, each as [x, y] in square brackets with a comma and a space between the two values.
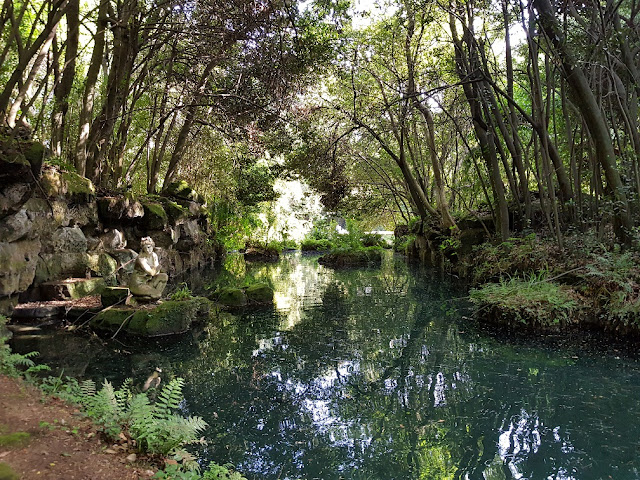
[16, 364]
[153, 425]
[61, 163]
[401, 244]
[269, 248]
[213, 472]
[516, 256]
[255, 185]
[533, 300]
[612, 280]
[373, 240]
[315, 244]
[233, 223]
[183, 292]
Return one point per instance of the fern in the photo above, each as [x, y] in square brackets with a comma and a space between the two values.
[16, 364]
[169, 398]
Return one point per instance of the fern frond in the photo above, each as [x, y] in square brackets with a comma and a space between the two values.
[169, 398]
[88, 388]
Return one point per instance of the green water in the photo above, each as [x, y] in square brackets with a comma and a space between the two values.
[381, 374]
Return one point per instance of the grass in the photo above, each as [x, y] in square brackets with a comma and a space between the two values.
[533, 300]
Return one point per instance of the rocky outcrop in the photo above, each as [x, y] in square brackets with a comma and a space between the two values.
[54, 226]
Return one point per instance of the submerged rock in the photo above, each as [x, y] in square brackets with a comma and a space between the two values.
[256, 294]
[259, 293]
[154, 320]
[231, 297]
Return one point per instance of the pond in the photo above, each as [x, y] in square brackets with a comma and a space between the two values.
[379, 374]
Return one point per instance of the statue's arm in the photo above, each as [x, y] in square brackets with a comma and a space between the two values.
[146, 267]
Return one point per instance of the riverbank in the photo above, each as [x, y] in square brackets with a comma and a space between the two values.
[46, 438]
[530, 283]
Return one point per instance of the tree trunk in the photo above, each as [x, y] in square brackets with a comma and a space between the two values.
[592, 115]
[63, 89]
[90, 89]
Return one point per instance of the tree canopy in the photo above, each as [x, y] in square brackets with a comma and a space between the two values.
[519, 113]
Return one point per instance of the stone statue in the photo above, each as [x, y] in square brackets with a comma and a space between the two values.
[146, 282]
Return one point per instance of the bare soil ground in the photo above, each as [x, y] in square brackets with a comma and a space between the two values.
[62, 444]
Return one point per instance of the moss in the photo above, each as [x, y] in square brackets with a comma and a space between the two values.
[90, 286]
[352, 257]
[17, 439]
[167, 318]
[78, 185]
[259, 293]
[114, 295]
[155, 218]
[174, 211]
[7, 473]
[231, 297]
[182, 190]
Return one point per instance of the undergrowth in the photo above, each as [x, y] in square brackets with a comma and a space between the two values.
[16, 364]
[154, 426]
[531, 300]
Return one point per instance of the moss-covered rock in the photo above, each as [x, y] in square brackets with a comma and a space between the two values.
[352, 258]
[176, 213]
[259, 293]
[231, 297]
[114, 209]
[7, 473]
[167, 318]
[182, 190]
[103, 265]
[72, 288]
[74, 187]
[114, 296]
[18, 265]
[155, 218]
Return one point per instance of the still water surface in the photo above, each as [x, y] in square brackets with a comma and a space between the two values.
[380, 374]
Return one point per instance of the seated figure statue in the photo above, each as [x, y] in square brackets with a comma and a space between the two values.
[146, 282]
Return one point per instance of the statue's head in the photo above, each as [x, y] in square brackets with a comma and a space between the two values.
[147, 243]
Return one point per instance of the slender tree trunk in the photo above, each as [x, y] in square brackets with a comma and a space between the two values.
[62, 90]
[443, 208]
[90, 89]
[58, 8]
[592, 115]
[125, 50]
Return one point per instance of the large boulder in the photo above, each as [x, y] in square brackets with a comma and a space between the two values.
[18, 262]
[167, 318]
[115, 209]
[20, 164]
[15, 227]
[53, 266]
[69, 240]
[73, 187]
[155, 218]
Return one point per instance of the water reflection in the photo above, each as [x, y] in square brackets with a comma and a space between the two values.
[376, 374]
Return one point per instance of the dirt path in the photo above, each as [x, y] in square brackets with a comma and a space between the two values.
[62, 444]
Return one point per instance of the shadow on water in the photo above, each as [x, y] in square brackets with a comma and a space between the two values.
[378, 374]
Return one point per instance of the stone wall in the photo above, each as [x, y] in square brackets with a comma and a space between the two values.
[54, 226]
